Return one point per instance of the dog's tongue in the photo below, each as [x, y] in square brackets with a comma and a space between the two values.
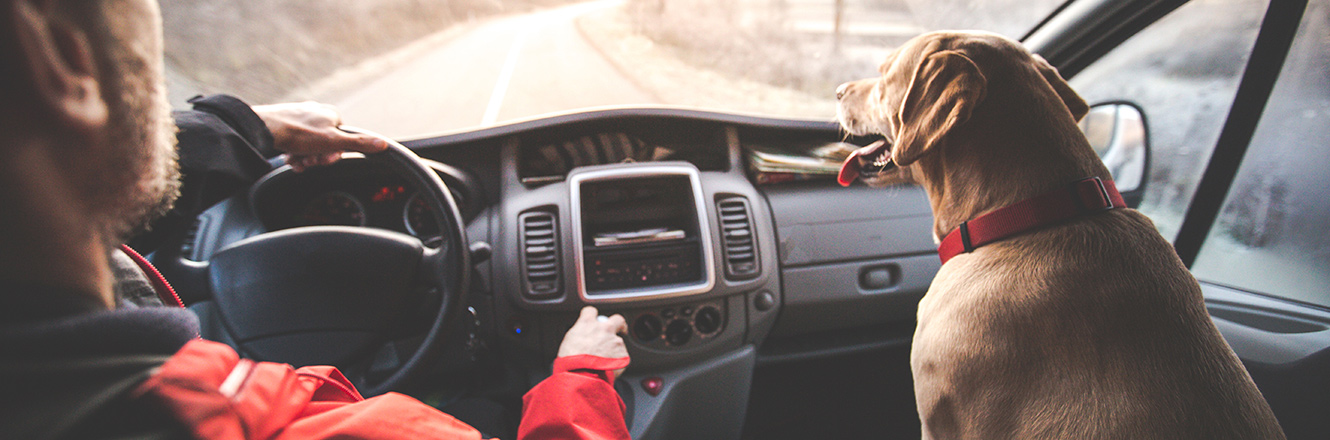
[858, 160]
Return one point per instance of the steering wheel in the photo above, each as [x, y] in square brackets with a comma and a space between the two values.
[333, 295]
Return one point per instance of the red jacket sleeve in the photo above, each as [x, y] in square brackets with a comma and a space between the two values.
[217, 395]
[577, 402]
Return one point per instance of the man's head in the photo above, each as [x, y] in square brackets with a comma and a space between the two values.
[88, 143]
[84, 80]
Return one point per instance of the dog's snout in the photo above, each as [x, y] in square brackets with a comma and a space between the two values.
[840, 90]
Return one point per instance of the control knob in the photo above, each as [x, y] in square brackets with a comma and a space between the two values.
[678, 332]
[647, 328]
[708, 320]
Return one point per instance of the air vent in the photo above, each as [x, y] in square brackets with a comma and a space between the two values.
[540, 254]
[736, 227]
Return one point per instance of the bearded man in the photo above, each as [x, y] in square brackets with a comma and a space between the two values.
[90, 159]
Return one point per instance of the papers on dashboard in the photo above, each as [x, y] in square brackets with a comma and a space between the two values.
[776, 165]
[642, 236]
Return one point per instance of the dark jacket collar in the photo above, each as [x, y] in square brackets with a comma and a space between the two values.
[148, 330]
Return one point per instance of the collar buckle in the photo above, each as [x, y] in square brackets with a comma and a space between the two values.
[966, 244]
[1092, 195]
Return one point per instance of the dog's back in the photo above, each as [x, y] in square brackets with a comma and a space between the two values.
[1092, 329]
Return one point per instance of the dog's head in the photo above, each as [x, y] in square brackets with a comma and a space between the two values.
[928, 90]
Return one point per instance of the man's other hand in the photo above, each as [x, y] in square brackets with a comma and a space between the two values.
[596, 337]
[307, 132]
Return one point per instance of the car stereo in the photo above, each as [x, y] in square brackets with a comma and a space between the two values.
[640, 232]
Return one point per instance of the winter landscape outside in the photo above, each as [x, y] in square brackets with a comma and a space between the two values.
[413, 67]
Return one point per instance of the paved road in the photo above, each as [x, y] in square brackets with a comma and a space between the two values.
[506, 69]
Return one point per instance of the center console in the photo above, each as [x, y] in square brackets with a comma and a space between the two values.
[685, 250]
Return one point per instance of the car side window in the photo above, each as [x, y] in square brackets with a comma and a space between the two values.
[1271, 234]
[1183, 72]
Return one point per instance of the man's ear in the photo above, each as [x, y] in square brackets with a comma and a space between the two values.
[57, 63]
[945, 89]
[1074, 102]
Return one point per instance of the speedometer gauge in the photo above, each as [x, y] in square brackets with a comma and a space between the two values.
[419, 217]
[333, 208]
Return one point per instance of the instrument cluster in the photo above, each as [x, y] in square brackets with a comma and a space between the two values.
[355, 193]
[393, 207]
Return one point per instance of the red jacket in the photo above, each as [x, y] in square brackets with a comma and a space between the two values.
[220, 396]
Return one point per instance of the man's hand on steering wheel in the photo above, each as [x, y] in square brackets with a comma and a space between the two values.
[308, 133]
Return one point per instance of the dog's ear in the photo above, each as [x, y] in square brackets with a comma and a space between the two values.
[945, 89]
[1069, 97]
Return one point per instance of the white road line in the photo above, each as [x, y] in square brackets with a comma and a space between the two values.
[510, 64]
[505, 77]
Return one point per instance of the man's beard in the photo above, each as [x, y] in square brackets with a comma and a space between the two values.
[142, 174]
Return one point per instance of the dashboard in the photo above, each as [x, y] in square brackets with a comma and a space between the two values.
[651, 213]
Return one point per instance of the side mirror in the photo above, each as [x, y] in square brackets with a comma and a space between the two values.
[1117, 132]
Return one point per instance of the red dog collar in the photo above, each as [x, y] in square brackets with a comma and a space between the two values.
[1086, 196]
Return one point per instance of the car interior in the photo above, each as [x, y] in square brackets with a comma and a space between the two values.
[765, 307]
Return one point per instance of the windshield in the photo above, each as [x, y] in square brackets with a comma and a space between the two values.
[408, 68]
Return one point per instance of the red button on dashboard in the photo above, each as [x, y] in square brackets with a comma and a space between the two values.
[653, 385]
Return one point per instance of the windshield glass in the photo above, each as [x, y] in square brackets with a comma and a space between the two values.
[408, 68]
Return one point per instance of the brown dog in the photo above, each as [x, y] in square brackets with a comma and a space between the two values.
[1086, 328]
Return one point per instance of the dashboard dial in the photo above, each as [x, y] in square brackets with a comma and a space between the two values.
[334, 208]
[419, 217]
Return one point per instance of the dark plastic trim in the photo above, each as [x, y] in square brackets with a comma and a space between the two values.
[1083, 31]
[616, 113]
[1046, 19]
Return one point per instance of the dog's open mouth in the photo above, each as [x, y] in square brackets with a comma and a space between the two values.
[866, 162]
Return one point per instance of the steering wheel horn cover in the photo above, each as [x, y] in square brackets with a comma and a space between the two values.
[329, 278]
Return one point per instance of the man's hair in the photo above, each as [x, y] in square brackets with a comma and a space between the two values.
[137, 184]
[139, 114]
